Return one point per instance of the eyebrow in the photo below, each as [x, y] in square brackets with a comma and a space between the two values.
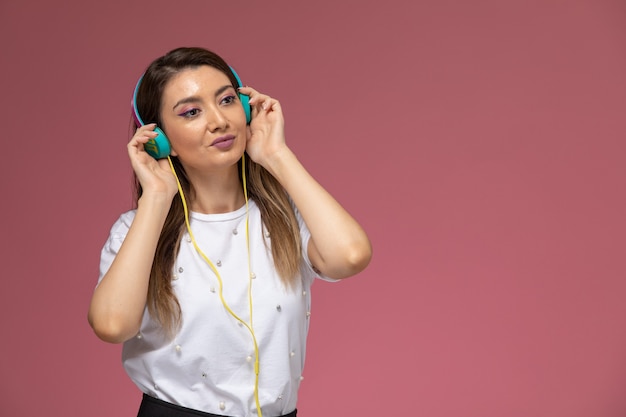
[196, 99]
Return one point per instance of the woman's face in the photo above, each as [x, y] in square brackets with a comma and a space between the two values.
[203, 119]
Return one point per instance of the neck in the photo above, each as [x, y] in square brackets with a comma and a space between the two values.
[216, 192]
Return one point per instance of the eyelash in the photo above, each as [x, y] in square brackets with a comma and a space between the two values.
[187, 114]
[231, 99]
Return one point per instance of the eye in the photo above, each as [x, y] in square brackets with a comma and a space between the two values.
[229, 99]
[190, 113]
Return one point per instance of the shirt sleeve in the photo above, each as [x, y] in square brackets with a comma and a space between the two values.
[114, 242]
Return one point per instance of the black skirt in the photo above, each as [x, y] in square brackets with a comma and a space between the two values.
[153, 407]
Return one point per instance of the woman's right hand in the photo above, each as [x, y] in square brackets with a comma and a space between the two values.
[119, 301]
[155, 176]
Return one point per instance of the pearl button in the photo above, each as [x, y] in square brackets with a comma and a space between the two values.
[252, 275]
[267, 234]
[212, 289]
[181, 269]
[235, 231]
[249, 359]
[304, 293]
[156, 387]
[280, 397]
[139, 336]
[301, 377]
[292, 353]
[308, 314]
[178, 348]
[188, 238]
[219, 262]
[174, 277]
[222, 405]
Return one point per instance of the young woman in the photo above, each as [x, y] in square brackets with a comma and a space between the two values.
[207, 282]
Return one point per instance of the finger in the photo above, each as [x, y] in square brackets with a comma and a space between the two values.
[270, 104]
[255, 96]
[146, 132]
[247, 90]
[146, 128]
[265, 102]
[137, 143]
[258, 99]
[275, 106]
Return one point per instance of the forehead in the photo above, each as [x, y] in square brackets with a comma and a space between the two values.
[194, 81]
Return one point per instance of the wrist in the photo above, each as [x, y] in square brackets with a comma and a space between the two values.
[279, 162]
[155, 199]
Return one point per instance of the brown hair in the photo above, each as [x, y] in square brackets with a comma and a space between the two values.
[277, 213]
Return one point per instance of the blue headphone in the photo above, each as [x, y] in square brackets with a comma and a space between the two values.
[159, 147]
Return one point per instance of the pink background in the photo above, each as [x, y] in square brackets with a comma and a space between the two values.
[480, 143]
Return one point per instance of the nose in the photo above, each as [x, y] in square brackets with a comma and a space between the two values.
[216, 120]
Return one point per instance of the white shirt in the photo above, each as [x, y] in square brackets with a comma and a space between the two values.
[209, 365]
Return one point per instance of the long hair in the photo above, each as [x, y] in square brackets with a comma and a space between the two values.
[277, 213]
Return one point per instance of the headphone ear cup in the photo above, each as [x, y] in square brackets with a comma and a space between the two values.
[245, 102]
[159, 147]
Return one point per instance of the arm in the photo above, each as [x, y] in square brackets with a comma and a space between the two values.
[339, 247]
[119, 301]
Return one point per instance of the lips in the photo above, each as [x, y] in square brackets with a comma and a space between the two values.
[225, 141]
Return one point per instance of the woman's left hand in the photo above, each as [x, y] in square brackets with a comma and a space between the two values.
[266, 133]
[338, 246]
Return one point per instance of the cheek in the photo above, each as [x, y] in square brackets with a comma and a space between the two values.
[181, 136]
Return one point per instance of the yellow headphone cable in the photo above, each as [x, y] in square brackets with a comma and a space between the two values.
[249, 326]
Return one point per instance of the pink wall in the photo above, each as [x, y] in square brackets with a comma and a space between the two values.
[480, 143]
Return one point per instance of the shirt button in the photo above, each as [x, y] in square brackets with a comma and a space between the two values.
[222, 405]
[249, 359]
[181, 269]
[178, 348]
[218, 263]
